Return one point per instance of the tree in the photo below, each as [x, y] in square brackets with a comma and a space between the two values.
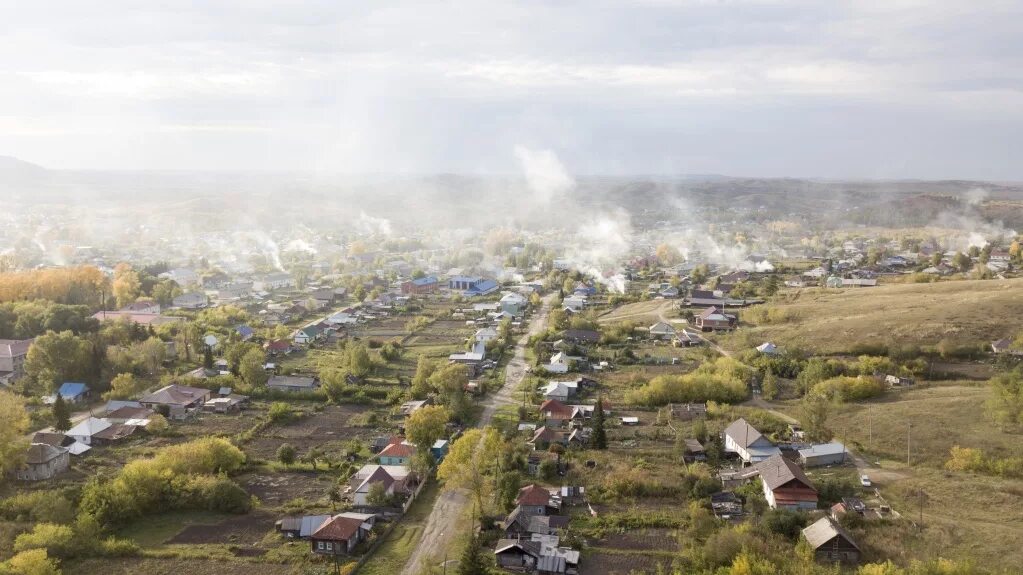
[426, 425]
[599, 433]
[126, 285]
[377, 495]
[55, 358]
[61, 414]
[1005, 404]
[962, 262]
[12, 432]
[357, 360]
[472, 463]
[152, 353]
[32, 562]
[473, 560]
[286, 454]
[207, 357]
[769, 387]
[279, 412]
[815, 409]
[421, 381]
[251, 368]
[157, 424]
[123, 386]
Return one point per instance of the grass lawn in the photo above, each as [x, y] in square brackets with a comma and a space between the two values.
[833, 321]
[390, 557]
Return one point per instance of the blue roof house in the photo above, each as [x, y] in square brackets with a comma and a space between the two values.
[74, 392]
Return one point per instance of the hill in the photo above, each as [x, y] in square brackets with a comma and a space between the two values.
[836, 321]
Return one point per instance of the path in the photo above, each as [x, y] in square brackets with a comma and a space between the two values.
[448, 513]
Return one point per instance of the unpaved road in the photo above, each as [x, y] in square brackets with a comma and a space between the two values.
[448, 513]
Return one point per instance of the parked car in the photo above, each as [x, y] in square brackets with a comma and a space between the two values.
[865, 480]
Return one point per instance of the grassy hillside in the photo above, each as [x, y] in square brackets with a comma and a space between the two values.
[834, 321]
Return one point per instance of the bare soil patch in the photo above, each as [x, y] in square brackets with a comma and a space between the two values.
[243, 530]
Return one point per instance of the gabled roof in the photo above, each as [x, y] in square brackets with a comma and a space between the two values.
[175, 394]
[743, 434]
[89, 427]
[533, 494]
[776, 471]
[338, 528]
[555, 407]
[14, 347]
[398, 449]
[40, 453]
[824, 530]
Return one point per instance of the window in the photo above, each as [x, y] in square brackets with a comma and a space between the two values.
[319, 545]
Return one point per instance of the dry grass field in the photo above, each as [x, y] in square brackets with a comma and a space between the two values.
[834, 321]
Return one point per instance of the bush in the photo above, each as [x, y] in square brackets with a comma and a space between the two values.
[783, 522]
[280, 412]
[57, 540]
[723, 380]
[38, 507]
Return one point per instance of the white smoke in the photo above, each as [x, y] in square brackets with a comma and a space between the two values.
[601, 244]
[370, 225]
[976, 196]
[545, 174]
[298, 245]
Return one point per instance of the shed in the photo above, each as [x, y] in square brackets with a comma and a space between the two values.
[833, 453]
[830, 542]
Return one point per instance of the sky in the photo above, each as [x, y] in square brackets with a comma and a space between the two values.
[827, 88]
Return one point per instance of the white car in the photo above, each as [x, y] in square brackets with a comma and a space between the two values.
[865, 480]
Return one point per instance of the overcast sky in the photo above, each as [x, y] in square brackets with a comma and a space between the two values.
[826, 88]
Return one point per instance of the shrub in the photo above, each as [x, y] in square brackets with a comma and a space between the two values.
[723, 380]
[280, 412]
[783, 522]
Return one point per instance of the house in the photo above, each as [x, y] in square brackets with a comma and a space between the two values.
[230, 403]
[127, 415]
[397, 453]
[513, 303]
[143, 306]
[43, 461]
[574, 303]
[560, 363]
[472, 286]
[712, 319]
[833, 453]
[244, 332]
[662, 330]
[292, 383]
[193, 300]
[301, 526]
[74, 392]
[340, 534]
[544, 436]
[176, 400]
[396, 480]
[670, 292]
[694, 451]
[726, 505]
[114, 432]
[307, 334]
[785, 484]
[704, 297]
[751, 446]
[87, 429]
[998, 347]
[12, 359]
[439, 450]
[274, 281]
[556, 410]
[561, 390]
[831, 543]
[409, 407]
[419, 286]
[277, 346]
[538, 554]
[534, 499]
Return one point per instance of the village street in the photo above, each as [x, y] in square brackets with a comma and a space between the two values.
[448, 514]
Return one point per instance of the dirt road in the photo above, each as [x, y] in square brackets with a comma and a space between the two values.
[448, 513]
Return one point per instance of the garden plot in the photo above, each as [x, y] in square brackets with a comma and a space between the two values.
[241, 530]
[275, 489]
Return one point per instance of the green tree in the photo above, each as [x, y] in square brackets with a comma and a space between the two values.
[279, 412]
[425, 426]
[251, 369]
[1005, 404]
[207, 357]
[126, 285]
[815, 409]
[55, 358]
[471, 463]
[599, 433]
[769, 387]
[473, 561]
[421, 381]
[357, 359]
[377, 495]
[123, 386]
[12, 431]
[286, 454]
[61, 414]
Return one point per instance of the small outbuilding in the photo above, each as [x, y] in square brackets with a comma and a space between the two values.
[43, 461]
[833, 453]
[831, 543]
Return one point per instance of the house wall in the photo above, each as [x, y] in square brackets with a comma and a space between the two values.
[46, 470]
[393, 460]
